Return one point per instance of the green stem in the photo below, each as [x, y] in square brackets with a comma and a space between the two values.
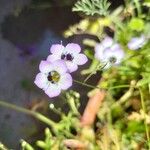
[93, 87]
[118, 86]
[144, 110]
[71, 102]
[93, 65]
[55, 110]
[89, 76]
[138, 7]
[30, 112]
[126, 96]
[85, 84]
[26, 146]
[98, 68]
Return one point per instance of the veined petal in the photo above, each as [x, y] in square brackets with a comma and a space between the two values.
[60, 66]
[45, 66]
[65, 81]
[80, 59]
[73, 48]
[56, 48]
[41, 81]
[53, 90]
[71, 66]
[53, 57]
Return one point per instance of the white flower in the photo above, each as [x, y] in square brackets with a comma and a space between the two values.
[137, 42]
[70, 54]
[53, 77]
[109, 52]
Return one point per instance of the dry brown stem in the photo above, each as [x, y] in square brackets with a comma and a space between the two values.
[87, 119]
[92, 108]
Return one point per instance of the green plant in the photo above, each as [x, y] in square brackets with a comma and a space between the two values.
[92, 7]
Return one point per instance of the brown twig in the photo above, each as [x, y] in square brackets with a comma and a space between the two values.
[92, 108]
[87, 119]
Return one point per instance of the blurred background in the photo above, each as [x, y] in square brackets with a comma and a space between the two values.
[27, 30]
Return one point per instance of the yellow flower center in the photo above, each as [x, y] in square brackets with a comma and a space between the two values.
[53, 76]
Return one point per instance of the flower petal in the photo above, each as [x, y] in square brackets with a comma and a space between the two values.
[101, 47]
[98, 51]
[60, 66]
[115, 47]
[118, 54]
[41, 81]
[120, 57]
[56, 48]
[136, 42]
[71, 66]
[53, 57]
[107, 42]
[80, 59]
[53, 90]
[45, 66]
[65, 81]
[73, 48]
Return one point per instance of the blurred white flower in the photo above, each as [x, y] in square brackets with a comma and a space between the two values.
[109, 52]
[137, 42]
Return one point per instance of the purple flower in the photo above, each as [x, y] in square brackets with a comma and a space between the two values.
[136, 42]
[53, 77]
[70, 54]
[109, 52]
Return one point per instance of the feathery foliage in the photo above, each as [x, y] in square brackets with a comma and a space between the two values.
[92, 7]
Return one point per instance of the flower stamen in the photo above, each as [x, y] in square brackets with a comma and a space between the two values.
[112, 59]
[67, 57]
[53, 77]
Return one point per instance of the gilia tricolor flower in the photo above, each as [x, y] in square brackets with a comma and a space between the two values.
[53, 77]
[109, 52]
[137, 42]
[70, 54]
